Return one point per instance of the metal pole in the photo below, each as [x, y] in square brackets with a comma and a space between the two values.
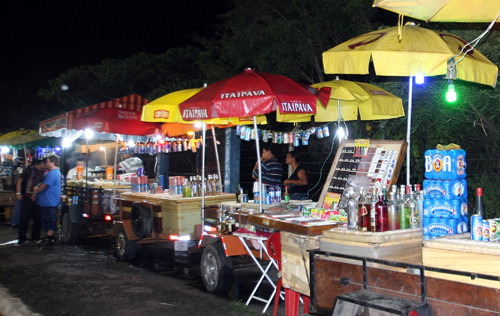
[217, 159]
[203, 177]
[261, 193]
[408, 130]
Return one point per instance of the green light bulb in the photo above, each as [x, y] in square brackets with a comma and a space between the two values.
[451, 95]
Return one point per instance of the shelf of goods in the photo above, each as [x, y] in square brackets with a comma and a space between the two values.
[179, 216]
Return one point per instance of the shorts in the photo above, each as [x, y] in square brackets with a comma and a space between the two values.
[49, 217]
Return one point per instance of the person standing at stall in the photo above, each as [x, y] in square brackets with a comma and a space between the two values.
[130, 163]
[272, 170]
[297, 182]
[28, 180]
[48, 196]
[73, 173]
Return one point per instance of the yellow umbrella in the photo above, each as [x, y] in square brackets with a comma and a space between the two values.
[444, 10]
[410, 51]
[419, 51]
[21, 136]
[351, 97]
[166, 109]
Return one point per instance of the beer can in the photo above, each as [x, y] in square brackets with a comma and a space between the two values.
[326, 131]
[498, 230]
[476, 227]
[493, 229]
[486, 230]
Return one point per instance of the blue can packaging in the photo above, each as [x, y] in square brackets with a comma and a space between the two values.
[452, 222]
[425, 226]
[476, 227]
[486, 230]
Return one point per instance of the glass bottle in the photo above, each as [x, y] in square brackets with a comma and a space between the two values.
[287, 195]
[364, 211]
[352, 211]
[238, 190]
[419, 200]
[479, 207]
[374, 201]
[194, 187]
[381, 214]
[208, 185]
[408, 208]
[186, 188]
[394, 216]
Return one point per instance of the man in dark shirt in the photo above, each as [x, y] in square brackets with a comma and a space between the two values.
[272, 170]
[29, 179]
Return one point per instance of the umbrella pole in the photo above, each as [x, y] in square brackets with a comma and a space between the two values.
[114, 174]
[261, 193]
[217, 159]
[408, 131]
[203, 177]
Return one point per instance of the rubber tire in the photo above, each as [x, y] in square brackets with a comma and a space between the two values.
[125, 249]
[69, 231]
[216, 269]
[142, 220]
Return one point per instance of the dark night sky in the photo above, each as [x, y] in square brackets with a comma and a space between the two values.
[41, 39]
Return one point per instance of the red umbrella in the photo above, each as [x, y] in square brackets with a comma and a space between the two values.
[248, 94]
[118, 116]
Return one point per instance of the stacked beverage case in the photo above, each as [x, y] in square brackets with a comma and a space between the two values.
[445, 199]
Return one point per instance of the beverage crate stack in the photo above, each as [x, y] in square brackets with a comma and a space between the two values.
[445, 199]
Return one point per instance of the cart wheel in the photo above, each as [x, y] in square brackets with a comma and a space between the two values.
[69, 231]
[142, 220]
[125, 249]
[216, 269]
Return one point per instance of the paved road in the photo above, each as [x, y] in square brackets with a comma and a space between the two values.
[86, 279]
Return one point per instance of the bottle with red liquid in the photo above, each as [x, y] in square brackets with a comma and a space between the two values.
[381, 214]
[364, 211]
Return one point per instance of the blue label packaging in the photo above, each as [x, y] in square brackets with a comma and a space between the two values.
[445, 189]
[445, 208]
[445, 164]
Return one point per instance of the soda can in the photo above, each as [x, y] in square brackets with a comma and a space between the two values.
[290, 137]
[486, 230]
[326, 131]
[140, 172]
[476, 227]
[493, 229]
[319, 133]
[498, 230]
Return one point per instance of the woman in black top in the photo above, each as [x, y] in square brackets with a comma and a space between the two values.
[297, 182]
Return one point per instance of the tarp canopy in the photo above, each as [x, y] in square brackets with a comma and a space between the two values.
[119, 116]
[25, 137]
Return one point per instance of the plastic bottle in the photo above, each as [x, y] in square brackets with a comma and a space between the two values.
[364, 211]
[278, 194]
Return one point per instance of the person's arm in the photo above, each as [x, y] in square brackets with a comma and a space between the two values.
[19, 196]
[301, 181]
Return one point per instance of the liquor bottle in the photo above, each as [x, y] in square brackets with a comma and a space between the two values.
[352, 211]
[364, 211]
[381, 214]
[287, 196]
[393, 211]
[194, 187]
[406, 208]
[374, 201]
[479, 207]
[414, 216]
[238, 190]
[420, 203]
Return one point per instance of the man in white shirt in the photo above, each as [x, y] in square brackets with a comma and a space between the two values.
[130, 164]
[72, 173]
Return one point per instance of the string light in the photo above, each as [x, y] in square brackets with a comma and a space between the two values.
[451, 94]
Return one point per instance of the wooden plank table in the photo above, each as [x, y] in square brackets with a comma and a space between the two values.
[266, 221]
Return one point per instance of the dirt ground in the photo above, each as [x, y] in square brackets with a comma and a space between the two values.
[86, 279]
